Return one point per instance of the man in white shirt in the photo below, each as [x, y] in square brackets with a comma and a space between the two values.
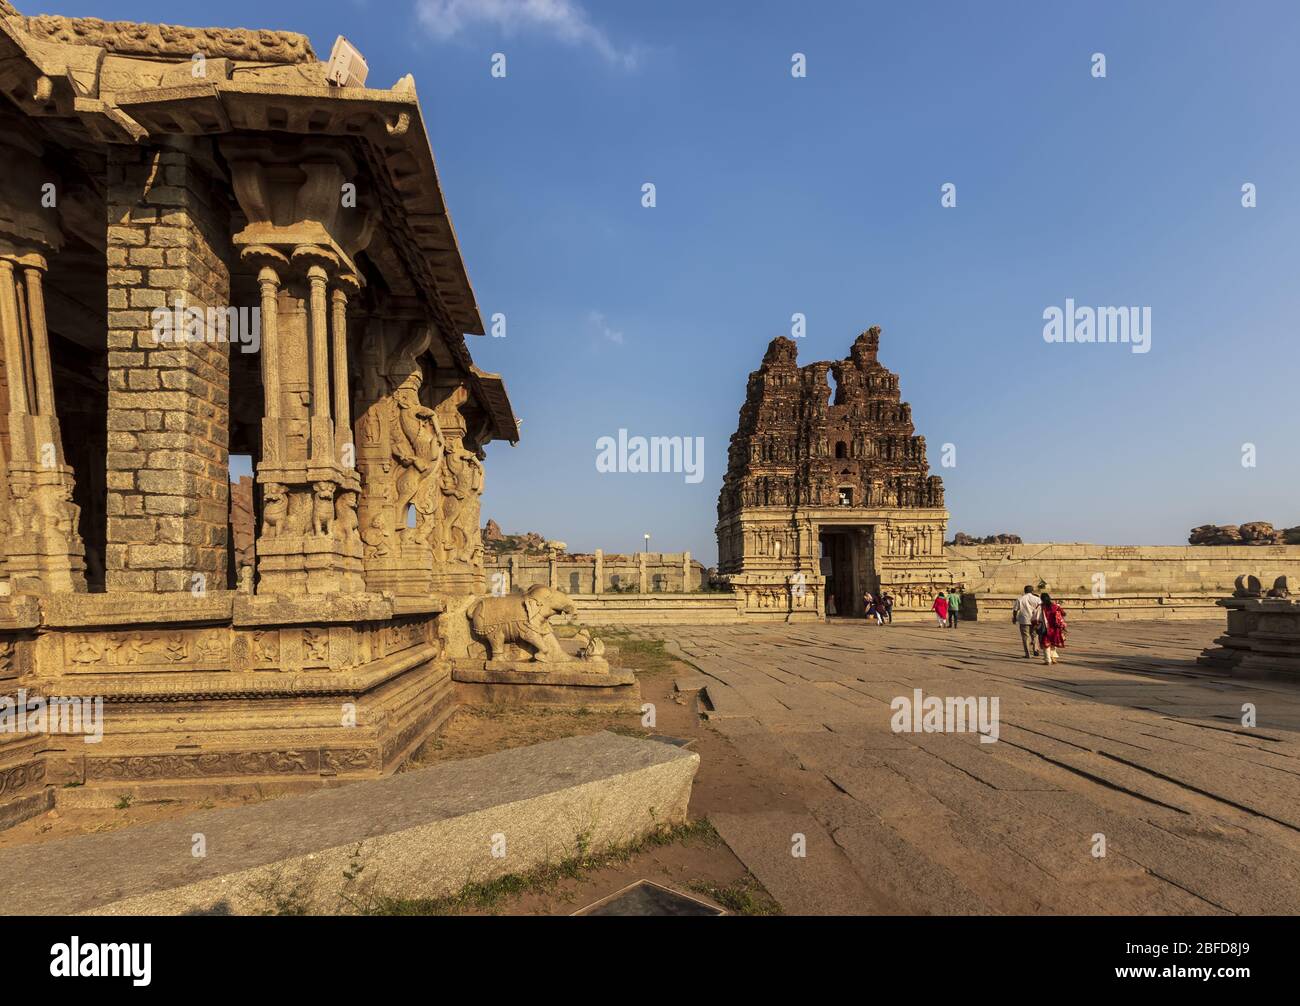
[1023, 611]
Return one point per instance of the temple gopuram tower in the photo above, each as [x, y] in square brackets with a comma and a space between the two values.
[825, 498]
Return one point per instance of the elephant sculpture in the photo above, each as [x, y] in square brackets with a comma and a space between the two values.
[521, 618]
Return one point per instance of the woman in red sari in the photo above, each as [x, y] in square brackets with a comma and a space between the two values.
[1051, 628]
[940, 608]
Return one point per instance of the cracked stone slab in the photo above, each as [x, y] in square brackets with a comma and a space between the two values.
[419, 834]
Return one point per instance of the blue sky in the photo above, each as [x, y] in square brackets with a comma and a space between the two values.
[821, 195]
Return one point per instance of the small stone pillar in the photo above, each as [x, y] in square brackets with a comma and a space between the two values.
[598, 587]
[643, 572]
[686, 572]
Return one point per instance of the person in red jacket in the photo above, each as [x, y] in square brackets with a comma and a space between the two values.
[1050, 622]
[941, 610]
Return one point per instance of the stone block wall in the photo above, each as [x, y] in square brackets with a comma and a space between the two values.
[1116, 581]
[665, 572]
[168, 401]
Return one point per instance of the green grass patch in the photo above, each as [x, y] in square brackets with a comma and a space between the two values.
[744, 897]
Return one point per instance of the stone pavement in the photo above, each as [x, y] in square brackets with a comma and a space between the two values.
[1127, 738]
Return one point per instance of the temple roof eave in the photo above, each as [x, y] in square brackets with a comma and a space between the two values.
[389, 123]
[55, 78]
[491, 392]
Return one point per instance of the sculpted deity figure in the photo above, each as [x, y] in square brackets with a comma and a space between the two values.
[415, 442]
[417, 446]
[461, 484]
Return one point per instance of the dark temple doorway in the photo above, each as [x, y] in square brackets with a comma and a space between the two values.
[847, 563]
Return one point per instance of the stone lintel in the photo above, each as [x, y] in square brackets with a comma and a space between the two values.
[328, 609]
[136, 608]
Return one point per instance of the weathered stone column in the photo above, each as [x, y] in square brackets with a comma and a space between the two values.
[599, 586]
[686, 572]
[40, 341]
[643, 583]
[310, 540]
[268, 282]
[322, 426]
[44, 552]
[15, 371]
[168, 374]
[339, 344]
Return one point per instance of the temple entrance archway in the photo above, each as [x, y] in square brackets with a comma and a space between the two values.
[848, 563]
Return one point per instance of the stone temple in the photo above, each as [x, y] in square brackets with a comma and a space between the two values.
[828, 495]
[212, 243]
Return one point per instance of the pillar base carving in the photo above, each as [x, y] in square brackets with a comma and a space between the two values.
[42, 546]
[309, 541]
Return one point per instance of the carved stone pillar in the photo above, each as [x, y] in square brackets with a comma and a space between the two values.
[339, 346]
[686, 572]
[459, 561]
[303, 238]
[309, 541]
[599, 587]
[43, 549]
[399, 451]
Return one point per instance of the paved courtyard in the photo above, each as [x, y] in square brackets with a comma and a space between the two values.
[1127, 738]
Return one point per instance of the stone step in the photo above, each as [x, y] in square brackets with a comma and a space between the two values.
[419, 834]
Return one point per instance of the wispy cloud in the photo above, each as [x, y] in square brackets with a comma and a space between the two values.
[601, 325]
[562, 19]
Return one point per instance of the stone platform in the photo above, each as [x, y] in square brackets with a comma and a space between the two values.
[419, 834]
[1262, 640]
[548, 684]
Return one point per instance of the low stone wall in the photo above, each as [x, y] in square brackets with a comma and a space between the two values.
[1114, 581]
[599, 573]
[714, 608]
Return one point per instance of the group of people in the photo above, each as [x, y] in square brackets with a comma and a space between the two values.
[880, 608]
[947, 607]
[1042, 624]
[1040, 619]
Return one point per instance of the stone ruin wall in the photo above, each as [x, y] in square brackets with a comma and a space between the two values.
[602, 573]
[1140, 581]
[167, 465]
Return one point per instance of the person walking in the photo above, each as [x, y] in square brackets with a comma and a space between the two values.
[868, 602]
[940, 608]
[888, 600]
[953, 597]
[1023, 614]
[1051, 628]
